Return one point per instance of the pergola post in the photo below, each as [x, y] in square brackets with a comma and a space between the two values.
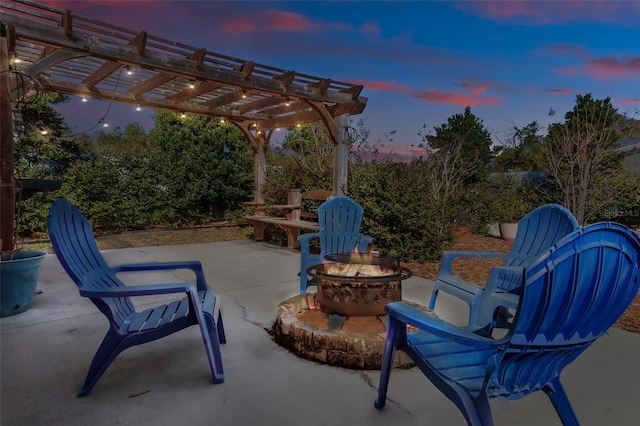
[7, 194]
[260, 168]
[341, 155]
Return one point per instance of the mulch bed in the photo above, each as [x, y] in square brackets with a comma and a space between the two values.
[477, 271]
[472, 270]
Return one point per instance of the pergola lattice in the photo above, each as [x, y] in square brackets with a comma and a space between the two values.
[73, 54]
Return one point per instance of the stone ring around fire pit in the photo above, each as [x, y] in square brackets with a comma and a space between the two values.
[358, 287]
[356, 342]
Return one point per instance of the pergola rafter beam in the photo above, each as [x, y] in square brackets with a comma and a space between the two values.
[77, 55]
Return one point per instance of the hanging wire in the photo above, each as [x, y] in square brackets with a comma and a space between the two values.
[104, 117]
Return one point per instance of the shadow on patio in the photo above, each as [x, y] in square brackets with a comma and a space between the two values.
[46, 351]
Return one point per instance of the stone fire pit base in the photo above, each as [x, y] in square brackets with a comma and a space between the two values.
[356, 342]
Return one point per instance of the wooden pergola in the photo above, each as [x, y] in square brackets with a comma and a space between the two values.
[60, 51]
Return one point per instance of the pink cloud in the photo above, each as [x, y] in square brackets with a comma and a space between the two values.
[456, 98]
[120, 13]
[433, 95]
[561, 91]
[608, 68]
[476, 89]
[388, 86]
[268, 20]
[371, 27]
[565, 49]
[282, 20]
[629, 101]
[535, 12]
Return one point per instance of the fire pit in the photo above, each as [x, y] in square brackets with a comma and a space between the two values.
[344, 323]
[356, 285]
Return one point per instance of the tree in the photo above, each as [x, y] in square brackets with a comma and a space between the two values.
[457, 158]
[524, 152]
[206, 166]
[464, 133]
[132, 141]
[305, 161]
[581, 151]
[44, 147]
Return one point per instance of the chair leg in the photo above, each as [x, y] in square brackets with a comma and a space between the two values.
[432, 302]
[109, 349]
[556, 393]
[390, 346]
[476, 410]
[210, 337]
[303, 281]
[222, 338]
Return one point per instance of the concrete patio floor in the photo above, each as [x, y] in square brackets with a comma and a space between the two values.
[45, 353]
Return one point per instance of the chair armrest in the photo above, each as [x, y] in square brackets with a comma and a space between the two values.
[138, 290]
[193, 265]
[364, 243]
[436, 326]
[305, 243]
[449, 256]
[305, 238]
[504, 278]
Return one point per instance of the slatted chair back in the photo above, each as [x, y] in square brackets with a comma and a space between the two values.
[575, 293]
[75, 246]
[339, 220]
[537, 232]
[572, 296]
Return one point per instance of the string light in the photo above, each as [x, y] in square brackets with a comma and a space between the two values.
[138, 108]
[192, 85]
[84, 98]
[129, 72]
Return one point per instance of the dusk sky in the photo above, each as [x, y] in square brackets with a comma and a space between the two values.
[419, 61]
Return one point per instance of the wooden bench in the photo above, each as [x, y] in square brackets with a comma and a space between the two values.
[297, 215]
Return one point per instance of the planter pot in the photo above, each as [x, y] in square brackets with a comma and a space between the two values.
[508, 230]
[18, 280]
[461, 234]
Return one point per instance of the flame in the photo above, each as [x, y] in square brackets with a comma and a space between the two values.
[359, 265]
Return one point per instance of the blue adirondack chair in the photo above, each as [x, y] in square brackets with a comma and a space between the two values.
[74, 244]
[571, 295]
[339, 219]
[537, 231]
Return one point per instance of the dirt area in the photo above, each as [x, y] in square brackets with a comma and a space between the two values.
[472, 270]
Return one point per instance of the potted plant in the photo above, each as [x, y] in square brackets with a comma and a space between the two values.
[19, 272]
[510, 204]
